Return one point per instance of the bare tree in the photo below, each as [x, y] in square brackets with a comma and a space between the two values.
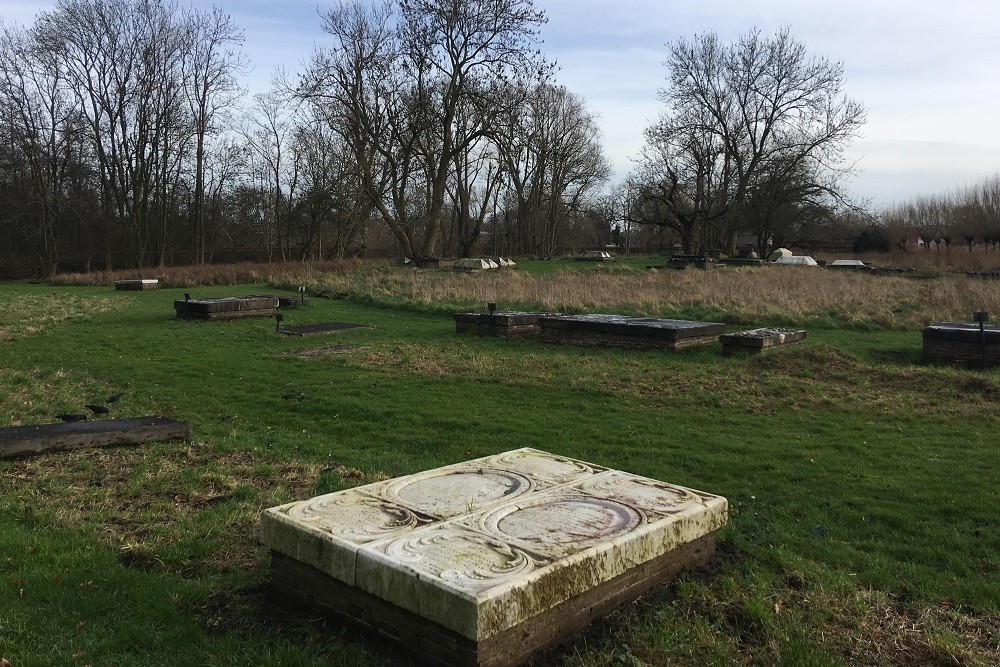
[397, 78]
[740, 119]
[210, 64]
[554, 162]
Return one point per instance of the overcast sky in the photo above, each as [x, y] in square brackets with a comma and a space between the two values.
[928, 70]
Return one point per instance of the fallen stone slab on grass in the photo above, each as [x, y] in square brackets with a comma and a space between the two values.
[42, 438]
[321, 328]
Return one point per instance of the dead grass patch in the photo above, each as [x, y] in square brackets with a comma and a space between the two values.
[872, 628]
[294, 273]
[313, 353]
[800, 295]
[143, 501]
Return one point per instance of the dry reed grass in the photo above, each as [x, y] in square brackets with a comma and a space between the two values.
[780, 294]
[221, 274]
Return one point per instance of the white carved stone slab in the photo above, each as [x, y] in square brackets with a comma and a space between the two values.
[327, 530]
[482, 546]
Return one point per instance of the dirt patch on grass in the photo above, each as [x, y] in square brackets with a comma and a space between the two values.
[188, 509]
[313, 353]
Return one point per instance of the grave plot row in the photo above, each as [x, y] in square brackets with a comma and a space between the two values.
[621, 331]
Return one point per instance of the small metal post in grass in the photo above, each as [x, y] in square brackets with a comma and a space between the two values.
[278, 318]
[302, 295]
[982, 317]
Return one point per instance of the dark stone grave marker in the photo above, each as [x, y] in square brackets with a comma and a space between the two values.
[627, 331]
[503, 324]
[968, 344]
[41, 438]
[226, 308]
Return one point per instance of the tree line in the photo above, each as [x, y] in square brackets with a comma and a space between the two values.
[424, 128]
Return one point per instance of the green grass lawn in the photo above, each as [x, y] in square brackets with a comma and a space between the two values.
[862, 487]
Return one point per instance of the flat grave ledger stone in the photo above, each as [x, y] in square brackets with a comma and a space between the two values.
[320, 328]
[144, 284]
[226, 308]
[758, 340]
[961, 343]
[487, 561]
[627, 331]
[504, 324]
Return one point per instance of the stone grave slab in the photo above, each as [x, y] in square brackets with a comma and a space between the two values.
[503, 324]
[137, 285]
[41, 438]
[226, 308]
[684, 261]
[961, 343]
[320, 328]
[627, 331]
[487, 561]
[759, 340]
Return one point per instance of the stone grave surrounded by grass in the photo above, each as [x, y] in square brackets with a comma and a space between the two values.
[961, 343]
[486, 562]
[759, 340]
[226, 308]
[627, 331]
[137, 285]
[504, 324]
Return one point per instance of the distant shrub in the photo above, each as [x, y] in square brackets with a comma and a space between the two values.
[874, 239]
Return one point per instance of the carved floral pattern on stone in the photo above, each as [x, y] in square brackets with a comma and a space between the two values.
[559, 521]
[465, 559]
[355, 517]
[654, 497]
[452, 492]
[545, 466]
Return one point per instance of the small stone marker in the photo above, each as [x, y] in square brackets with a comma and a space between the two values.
[487, 561]
[503, 324]
[226, 308]
[961, 343]
[758, 340]
[137, 285]
[627, 331]
[41, 438]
